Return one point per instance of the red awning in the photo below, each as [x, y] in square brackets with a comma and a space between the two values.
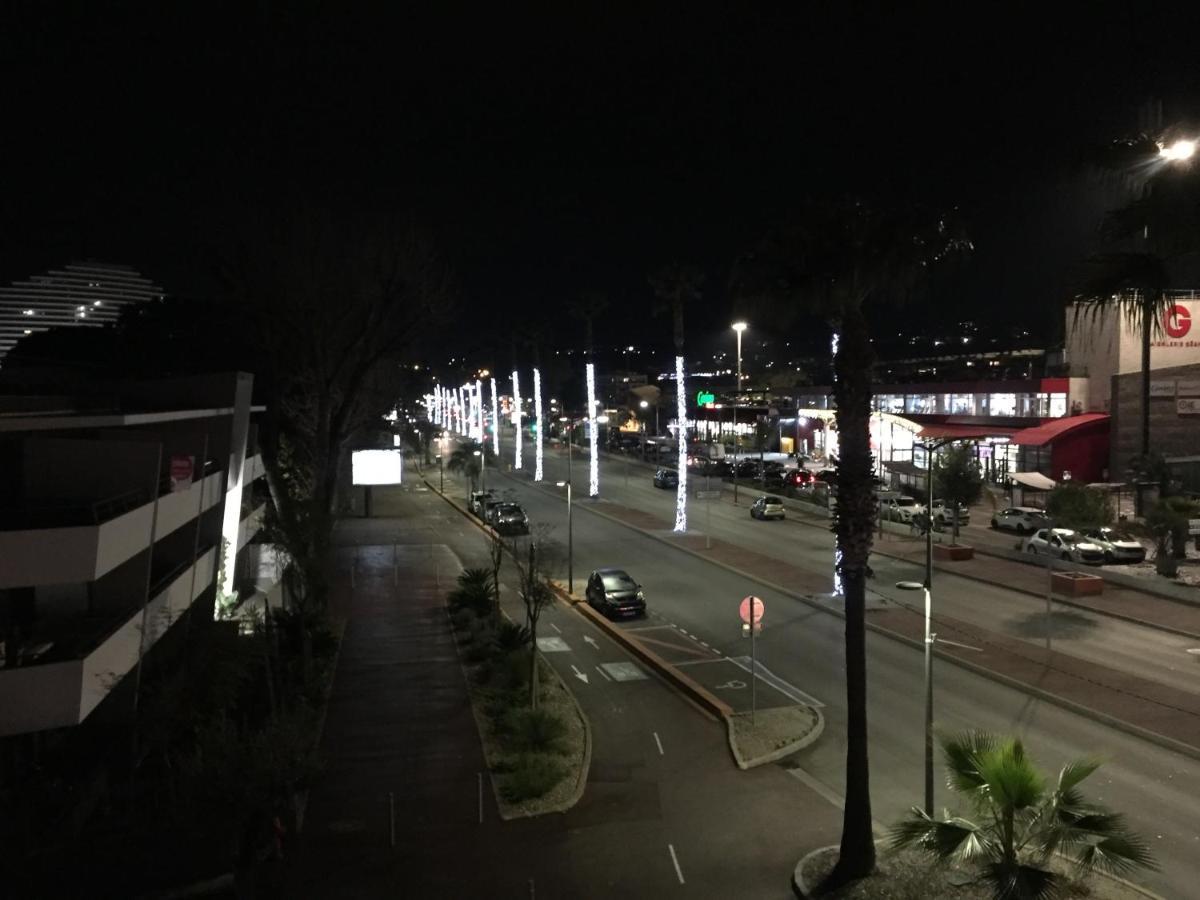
[1043, 434]
[964, 432]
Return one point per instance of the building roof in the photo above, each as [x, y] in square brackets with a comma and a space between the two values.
[964, 432]
[1056, 428]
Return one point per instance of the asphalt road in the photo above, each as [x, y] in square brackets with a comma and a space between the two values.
[1147, 652]
[1158, 790]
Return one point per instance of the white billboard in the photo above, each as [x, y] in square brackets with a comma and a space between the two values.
[377, 466]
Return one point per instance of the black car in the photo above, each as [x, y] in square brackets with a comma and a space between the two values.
[509, 518]
[615, 593]
[666, 478]
[747, 468]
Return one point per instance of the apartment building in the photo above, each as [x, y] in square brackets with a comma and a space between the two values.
[122, 512]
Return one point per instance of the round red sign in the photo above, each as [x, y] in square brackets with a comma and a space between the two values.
[759, 609]
[1177, 321]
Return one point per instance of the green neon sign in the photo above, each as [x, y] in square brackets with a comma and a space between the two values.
[703, 398]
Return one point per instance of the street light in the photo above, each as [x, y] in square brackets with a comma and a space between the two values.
[930, 637]
[1178, 151]
[482, 469]
[570, 537]
[739, 327]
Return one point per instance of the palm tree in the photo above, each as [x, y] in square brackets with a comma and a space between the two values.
[464, 460]
[590, 306]
[839, 258]
[1020, 823]
[676, 285]
[1143, 239]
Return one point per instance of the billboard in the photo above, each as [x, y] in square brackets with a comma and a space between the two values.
[376, 466]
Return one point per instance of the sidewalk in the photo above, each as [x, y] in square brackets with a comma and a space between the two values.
[1152, 709]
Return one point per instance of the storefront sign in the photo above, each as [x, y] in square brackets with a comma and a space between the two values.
[1162, 388]
[1188, 406]
[703, 398]
[1187, 388]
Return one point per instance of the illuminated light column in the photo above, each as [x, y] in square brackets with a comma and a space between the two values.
[516, 417]
[681, 436]
[480, 434]
[537, 425]
[594, 461]
[837, 553]
[495, 421]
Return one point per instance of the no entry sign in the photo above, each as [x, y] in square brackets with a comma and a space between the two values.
[749, 604]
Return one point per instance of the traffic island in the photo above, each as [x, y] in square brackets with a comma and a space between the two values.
[772, 734]
[913, 875]
[1076, 584]
[953, 552]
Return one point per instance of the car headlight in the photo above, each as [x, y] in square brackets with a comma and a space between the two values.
[641, 596]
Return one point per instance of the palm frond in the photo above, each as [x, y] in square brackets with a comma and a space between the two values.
[1074, 773]
[1119, 854]
[949, 839]
[1022, 882]
[961, 754]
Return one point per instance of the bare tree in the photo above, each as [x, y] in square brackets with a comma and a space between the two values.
[496, 551]
[533, 563]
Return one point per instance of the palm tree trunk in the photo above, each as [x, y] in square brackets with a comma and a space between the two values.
[853, 526]
[1148, 306]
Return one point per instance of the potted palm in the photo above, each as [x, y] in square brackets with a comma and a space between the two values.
[1020, 823]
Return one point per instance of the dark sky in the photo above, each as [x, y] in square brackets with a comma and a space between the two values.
[562, 150]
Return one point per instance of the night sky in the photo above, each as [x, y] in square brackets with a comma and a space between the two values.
[560, 151]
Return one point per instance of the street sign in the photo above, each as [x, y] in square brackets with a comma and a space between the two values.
[758, 607]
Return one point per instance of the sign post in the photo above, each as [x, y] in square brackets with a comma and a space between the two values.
[752, 611]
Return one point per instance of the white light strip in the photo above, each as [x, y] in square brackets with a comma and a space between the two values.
[594, 461]
[495, 421]
[479, 432]
[681, 436]
[516, 418]
[537, 424]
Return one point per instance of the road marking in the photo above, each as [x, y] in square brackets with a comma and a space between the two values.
[957, 644]
[624, 671]
[788, 690]
[591, 640]
[733, 684]
[692, 650]
[559, 630]
[552, 645]
[675, 859]
[607, 677]
[696, 662]
[657, 741]
[580, 675]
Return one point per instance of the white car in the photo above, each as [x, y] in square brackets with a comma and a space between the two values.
[943, 516]
[1117, 547]
[900, 509]
[1021, 519]
[1063, 543]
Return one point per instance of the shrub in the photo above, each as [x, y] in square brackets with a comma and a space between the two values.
[510, 637]
[534, 730]
[533, 775]
[474, 592]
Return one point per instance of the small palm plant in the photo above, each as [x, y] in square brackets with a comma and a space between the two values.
[1021, 823]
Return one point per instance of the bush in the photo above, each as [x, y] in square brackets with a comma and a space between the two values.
[535, 730]
[510, 637]
[462, 620]
[474, 592]
[533, 775]
[1072, 505]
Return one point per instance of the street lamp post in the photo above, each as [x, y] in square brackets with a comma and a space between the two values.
[930, 637]
[482, 469]
[570, 537]
[739, 327]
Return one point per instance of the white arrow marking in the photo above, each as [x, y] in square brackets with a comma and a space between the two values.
[580, 675]
[591, 640]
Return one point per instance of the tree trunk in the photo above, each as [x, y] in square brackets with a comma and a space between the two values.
[1147, 329]
[853, 525]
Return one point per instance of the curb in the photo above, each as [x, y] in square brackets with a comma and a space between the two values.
[1104, 718]
[779, 752]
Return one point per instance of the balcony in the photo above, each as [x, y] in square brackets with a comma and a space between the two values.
[81, 660]
[88, 540]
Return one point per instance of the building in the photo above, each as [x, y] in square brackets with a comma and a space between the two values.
[80, 294]
[118, 520]
[1104, 351]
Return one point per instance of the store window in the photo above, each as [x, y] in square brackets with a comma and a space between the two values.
[1002, 404]
[962, 405]
[921, 403]
[1058, 405]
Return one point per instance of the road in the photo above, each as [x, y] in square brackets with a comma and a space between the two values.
[1159, 790]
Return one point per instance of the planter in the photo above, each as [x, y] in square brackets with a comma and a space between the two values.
[953, 552]
[1076, 584]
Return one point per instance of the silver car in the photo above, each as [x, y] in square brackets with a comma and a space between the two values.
[1065, 544]
[509, 518]
[900, 509]
[1117, 547]
[767, 508]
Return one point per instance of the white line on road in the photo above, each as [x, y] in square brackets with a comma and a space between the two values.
[556, 628]
[696, 662]
[580, 675]
[657, 741]
[607, 677]
[675, 859]
[591, 640]
[785, 688]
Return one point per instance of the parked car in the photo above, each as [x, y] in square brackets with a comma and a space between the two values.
[1065, 544]
[829, 476]
[666, 478]
[900, 509]
[798, 477]
[489, 507]
[767, 507]
[718, 468]
[477, 501]
[1021, 519]
[943, 516]
[746, 468]
[509, 518]
[1117, 547]
[615, 593]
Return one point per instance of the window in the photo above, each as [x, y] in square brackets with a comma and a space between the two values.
[1003, 404]
[1058, 405]
[963, 404]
